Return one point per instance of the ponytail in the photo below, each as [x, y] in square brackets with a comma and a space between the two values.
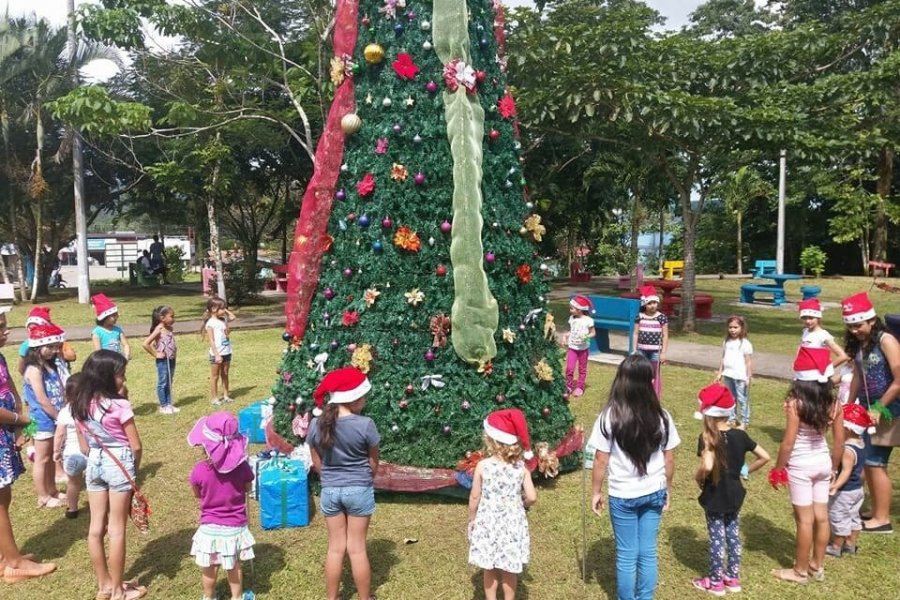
[714, 442]
[327, 426]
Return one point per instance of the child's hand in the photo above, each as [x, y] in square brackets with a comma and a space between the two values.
[218, 359]
[662, 358]
[832, 490]
[597, 503]
[469, 528]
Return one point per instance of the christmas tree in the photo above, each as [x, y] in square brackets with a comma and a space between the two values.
[414, 256]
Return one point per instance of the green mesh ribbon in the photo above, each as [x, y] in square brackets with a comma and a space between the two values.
[474, 314]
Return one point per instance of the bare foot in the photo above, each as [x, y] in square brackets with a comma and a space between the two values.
[790, 575]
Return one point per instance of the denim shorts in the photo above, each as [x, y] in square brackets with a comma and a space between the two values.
[226, 358]
[103, 474]
[354, 501]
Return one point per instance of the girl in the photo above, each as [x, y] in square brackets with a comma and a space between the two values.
[846, 491]
[651, 336]
[635, 441]
[814, 335]
[107, 335]
[721, 450]
[215, 329]
[875, 385]
[736, 369]
[39, 315]
[160, 344]
[44, 395]
[804, 463]
[67, 451]
[501, 491]
[344, 448]
[106, 426]
[581, 330]
[15, 566]
[220, 482]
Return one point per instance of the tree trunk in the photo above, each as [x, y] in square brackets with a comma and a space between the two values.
[81, 248]
[739, 216]
[11, 197]
[37, 188]
[883, 190]
[635, 232]
[662, 231]
[688, 283]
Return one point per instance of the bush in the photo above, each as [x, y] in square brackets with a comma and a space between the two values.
[174, 264]
[241, 286]
[813, 260]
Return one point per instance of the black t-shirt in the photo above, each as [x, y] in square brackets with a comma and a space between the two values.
[728, 495]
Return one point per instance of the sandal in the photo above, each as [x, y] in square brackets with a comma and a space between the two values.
[51, 502]
[135, 593]
[792, 575]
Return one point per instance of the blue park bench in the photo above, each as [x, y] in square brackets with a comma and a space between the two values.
[748, 290]
[613, 313]
[761, 268]
[810, 291]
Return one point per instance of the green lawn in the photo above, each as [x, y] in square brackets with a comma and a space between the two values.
[289, 562]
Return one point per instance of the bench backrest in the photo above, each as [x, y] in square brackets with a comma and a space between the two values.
[766, 264]
[673, 264]
[615, 309]
[280, 269]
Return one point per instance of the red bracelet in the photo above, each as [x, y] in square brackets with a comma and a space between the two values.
[778, 477]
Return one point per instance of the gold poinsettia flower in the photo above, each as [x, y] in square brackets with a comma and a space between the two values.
[414, 296]
[362, 357]
[337, 70]
[509, 336]
[370, 296]
[398, 172]
[534, 227]
[543, 371]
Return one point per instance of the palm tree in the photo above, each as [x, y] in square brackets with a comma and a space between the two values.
[737, 190]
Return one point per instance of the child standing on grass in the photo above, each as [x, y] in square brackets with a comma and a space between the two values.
[220, 482]
[846, 491]
[344, 449]
[578, 340]
[721, 449]
[107, 335]
[14, 567]
[67, 450]
[736, 369]
[502, 490]
[804, 462]
[651, 336]
[814, 335]
[43, 390]
[39, 315]
[106, 429]
[160, 344]
[215, 330]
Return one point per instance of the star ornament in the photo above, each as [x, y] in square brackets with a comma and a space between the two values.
[410, 102]
[509, 336]
[404, 66]
[414, 296]
[370, 296]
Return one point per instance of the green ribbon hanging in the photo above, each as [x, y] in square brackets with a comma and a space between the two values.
[474, 314]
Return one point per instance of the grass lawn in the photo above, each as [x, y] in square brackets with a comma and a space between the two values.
[289, 562]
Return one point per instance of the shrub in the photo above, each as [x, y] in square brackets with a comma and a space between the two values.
[174, 264]
[813, 260]
[241, 286]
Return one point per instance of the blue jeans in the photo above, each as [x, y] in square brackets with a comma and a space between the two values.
[635, 523]
[739, 390]
[165, 370]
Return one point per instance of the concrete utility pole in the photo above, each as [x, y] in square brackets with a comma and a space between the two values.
[81, 249]
[782, 188]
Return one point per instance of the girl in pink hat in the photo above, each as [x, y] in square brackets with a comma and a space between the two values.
[220, 482]
[578, 341]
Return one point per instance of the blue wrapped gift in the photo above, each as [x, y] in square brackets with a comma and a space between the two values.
[252, 419]
[283, 493]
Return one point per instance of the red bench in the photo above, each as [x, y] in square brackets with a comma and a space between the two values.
[281, 279]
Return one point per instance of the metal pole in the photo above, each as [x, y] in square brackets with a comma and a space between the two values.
[81, 249]
[782, 188]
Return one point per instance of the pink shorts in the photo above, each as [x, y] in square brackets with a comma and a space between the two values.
[808, 484]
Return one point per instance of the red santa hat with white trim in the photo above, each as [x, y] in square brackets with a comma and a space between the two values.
[715, 401]
[648, 294]
[508, 426]
[39, 315]
[343, 386]
[103, 306]
[582, 303]
[810, 308]
[44, 335]
[813, 364]
[857, 308]
[856, 418]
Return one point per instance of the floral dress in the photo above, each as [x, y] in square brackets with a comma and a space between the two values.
[11, 465]
[499, 538]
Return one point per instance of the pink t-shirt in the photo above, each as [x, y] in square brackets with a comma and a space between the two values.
[112, 413]
[223, 496]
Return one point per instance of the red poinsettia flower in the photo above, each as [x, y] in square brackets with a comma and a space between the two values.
[349, 318]
[366, 186]
[404, 66]
[507, 106]
[524, 273]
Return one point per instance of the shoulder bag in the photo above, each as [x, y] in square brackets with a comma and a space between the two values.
[887, 433]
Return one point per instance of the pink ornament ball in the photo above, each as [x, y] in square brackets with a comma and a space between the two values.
[328, 293]
[387, 223]
[490, 257]
[431, 87]
[351, 347]
[348, 273]
[429, 356]
[419, 178]
[446, 226]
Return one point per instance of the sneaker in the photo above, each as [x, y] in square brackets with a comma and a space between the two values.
[215, 402]
[227, 399]
[745, 472]
[578, 392]
[72, 514]
[174, 409]
[886, 528]
[833, 551]
[851, 550]
[165, 410]
[732, 584]
[716, 588]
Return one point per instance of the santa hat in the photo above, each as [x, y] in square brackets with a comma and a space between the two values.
[810, 308]
[39, 315]
[813, 364]
[343, 387]
[856, 418]
[508, 426]
[103, 306]
[857, 308]
[582, 303]
[648, 294]
[44, 335]
[715, 401]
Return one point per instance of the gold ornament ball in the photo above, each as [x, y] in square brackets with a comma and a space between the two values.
[351, 123]
[374, 53]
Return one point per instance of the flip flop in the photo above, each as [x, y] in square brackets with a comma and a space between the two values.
[792, 575]
[135, 593]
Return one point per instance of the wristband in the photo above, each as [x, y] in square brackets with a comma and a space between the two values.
[778, 477]
[16, 418]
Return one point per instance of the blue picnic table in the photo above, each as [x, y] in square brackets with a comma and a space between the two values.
[748, 291]
[780, 279]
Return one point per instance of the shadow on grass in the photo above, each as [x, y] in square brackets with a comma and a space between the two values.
[162, 556]
[774, 434]
[148, 472]
[65, 533]
[239, 393]
[382, 558]
[478, 586]
[258, 572]
[762, 535]
[688, 548]
[149, 408]
[601, 565]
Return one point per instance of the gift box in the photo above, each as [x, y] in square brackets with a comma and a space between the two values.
[252, 421]
[283, 492]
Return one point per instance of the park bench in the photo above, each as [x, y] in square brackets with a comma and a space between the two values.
[578, 274]
[281, 277]
[761, 268]
[884, 267]
[614, 313]
[748, 290]
[140, 277]
[810, 291]
[672, 269]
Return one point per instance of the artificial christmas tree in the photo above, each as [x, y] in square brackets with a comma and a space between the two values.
[414, 255]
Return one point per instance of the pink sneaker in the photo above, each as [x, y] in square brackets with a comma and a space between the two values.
[716, 588]
[578, 392]
[733, 585]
